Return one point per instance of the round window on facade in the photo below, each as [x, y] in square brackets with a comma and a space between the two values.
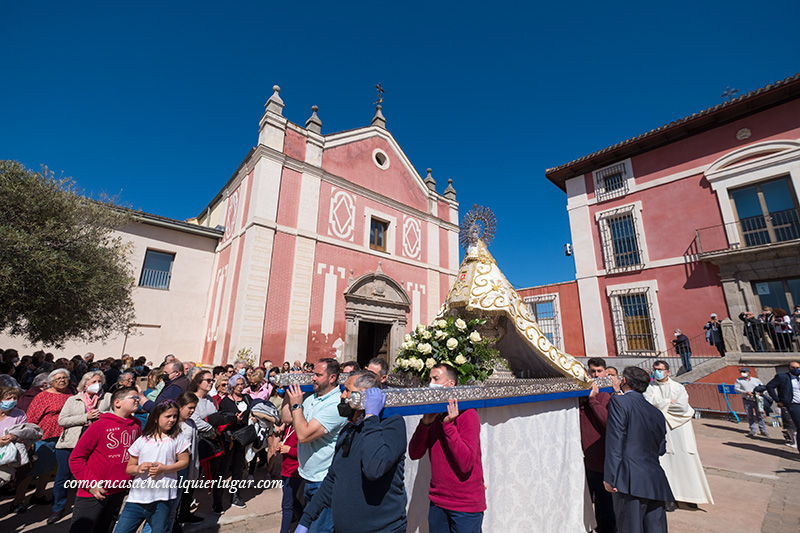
[380, 158]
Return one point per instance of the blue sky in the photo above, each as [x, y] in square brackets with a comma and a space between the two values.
[158, 103]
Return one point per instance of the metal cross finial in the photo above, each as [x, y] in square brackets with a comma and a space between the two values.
[729, 93]
[380, 94]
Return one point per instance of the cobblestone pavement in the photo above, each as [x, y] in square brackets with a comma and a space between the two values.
[755, 483]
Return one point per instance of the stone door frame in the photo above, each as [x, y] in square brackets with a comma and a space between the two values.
[375, 297]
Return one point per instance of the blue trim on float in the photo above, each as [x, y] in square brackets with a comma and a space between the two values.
[408, 410]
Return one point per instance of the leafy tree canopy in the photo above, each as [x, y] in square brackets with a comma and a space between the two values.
[64, 274]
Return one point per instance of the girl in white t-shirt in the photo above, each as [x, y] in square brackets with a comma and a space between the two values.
[155, 459]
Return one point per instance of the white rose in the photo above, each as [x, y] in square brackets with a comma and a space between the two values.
[452, 343]
[408, 345]
[439, 334]
[430, 362]
[460, 359]
[418, 364]
[426, 334]
[475, 336]
[425, 348]
[441, 324]
[420, 328]
[460, 324]
[407, 337]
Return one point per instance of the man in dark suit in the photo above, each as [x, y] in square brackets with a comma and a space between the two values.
[785, 388]
[635, 438]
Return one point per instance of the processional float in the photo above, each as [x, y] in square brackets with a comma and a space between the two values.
[528, 407]
[534, 369]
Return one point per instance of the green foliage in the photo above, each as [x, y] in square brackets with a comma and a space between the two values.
[63, 273]
[247, 355]
[452, 341]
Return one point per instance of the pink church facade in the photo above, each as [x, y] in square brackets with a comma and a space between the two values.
[697, 217]
[333, 246]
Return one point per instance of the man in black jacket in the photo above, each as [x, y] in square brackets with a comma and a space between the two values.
[368, 467]
[175, 384]
[635, 438]
[753, 330]
[785, 388]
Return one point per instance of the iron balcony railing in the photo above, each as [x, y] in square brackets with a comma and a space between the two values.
[769, 334]
[154, 279]
[780, 226]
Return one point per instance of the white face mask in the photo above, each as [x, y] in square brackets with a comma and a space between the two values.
[745, 374]
[677, 334]
[436, 385]
[94, 388]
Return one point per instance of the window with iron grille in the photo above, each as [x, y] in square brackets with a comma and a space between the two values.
[611, 182]
[620, 239]
[634, 323]
[157, 270]
[544, 309]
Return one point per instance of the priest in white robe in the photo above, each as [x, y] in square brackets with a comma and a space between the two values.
[681, 463]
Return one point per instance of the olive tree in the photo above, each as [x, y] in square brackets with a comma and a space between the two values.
[64, 273]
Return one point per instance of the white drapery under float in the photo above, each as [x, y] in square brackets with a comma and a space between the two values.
[530, 432]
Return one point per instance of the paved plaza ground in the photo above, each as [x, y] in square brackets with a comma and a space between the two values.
[755, 484]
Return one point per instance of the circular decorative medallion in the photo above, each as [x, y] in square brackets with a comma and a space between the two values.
[743, 134]
[478, 223]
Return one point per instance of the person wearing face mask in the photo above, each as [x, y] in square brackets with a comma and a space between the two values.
[78, 413]
[785, 388]
[368, 467]
[11, 415]
[457, 494]
[683, 348]
[745, 386]
[240, 367]
[681, 463]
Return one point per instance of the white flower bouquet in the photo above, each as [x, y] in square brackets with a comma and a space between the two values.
[451, 341]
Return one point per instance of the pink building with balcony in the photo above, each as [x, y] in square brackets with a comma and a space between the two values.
[696, 217]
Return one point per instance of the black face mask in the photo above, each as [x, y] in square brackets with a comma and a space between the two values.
[345, 409]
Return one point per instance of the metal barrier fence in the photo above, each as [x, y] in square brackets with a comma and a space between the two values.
[707, 397]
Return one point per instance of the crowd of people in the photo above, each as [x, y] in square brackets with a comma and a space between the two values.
[773, 330]
[640, 453]
[150, 426]
[133, 432]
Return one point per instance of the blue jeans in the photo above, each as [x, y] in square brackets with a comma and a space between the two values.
[324, 522]
[45, 457]
[686, 361]
[62, 475]
[753, 416]
[291, 508]
[173, 508]
[155, 514]
[444, 521]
